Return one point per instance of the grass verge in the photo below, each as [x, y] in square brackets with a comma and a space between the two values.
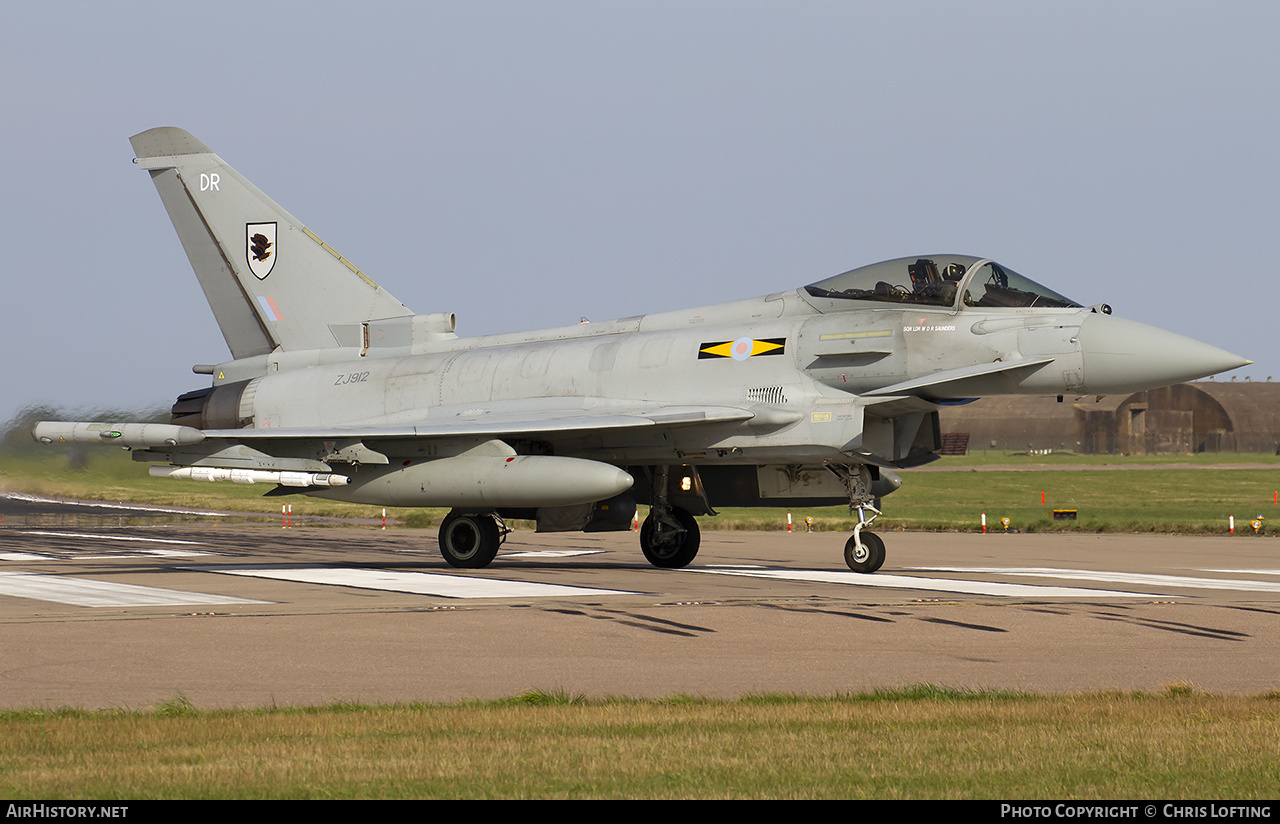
[919, 742]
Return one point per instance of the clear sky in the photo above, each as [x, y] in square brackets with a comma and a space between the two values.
[524, 164]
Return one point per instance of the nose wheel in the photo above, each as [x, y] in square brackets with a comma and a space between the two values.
[864, 552]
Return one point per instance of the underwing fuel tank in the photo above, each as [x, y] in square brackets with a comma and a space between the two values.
[486, 482]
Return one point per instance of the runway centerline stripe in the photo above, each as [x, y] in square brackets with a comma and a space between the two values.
[1141, 578]
[86, 593]
[417, 583]
[933, 584]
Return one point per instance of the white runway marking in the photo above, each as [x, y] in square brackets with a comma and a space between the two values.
[104, 537]
[417, 583]
[119, 556]
[86, 593]
[20, 496]
[1141, 578]
[933, 584]
[552, 553]
[137, 553]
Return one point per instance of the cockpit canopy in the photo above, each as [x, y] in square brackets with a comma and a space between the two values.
[940, 280]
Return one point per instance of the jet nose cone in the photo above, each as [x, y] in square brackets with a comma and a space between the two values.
[1122, 356]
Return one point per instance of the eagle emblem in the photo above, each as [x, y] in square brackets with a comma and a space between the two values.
[260, 251]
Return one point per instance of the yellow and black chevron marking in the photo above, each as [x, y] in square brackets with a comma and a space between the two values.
[742, 348]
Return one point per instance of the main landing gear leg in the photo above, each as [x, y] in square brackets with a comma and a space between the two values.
[669, 537]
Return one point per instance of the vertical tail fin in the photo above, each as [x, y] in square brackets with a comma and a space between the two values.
[271, 282]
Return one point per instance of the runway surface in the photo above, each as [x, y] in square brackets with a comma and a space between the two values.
[119, 609]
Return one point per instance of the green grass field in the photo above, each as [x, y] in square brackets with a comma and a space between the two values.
[920, 742]
[1192, 494]
[1148, 500]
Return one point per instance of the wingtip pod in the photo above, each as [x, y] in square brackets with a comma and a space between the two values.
[117, 434]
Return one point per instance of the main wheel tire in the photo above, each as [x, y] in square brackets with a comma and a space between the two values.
[469, 541]
[678, 549]
[867, 558]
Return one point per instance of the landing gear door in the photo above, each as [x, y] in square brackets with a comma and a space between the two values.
[685, 491]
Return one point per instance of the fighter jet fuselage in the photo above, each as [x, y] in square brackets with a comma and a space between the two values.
[813, 394]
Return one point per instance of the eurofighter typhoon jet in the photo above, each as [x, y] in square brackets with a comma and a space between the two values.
[806, 397]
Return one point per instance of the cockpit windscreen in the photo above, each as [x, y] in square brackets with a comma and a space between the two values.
[934, 281]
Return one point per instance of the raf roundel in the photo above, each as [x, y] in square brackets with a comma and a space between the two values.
[742, 348]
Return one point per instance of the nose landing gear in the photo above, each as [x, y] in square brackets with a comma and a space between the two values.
[864, 551]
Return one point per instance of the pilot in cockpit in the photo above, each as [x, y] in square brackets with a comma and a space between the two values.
[927, 282]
